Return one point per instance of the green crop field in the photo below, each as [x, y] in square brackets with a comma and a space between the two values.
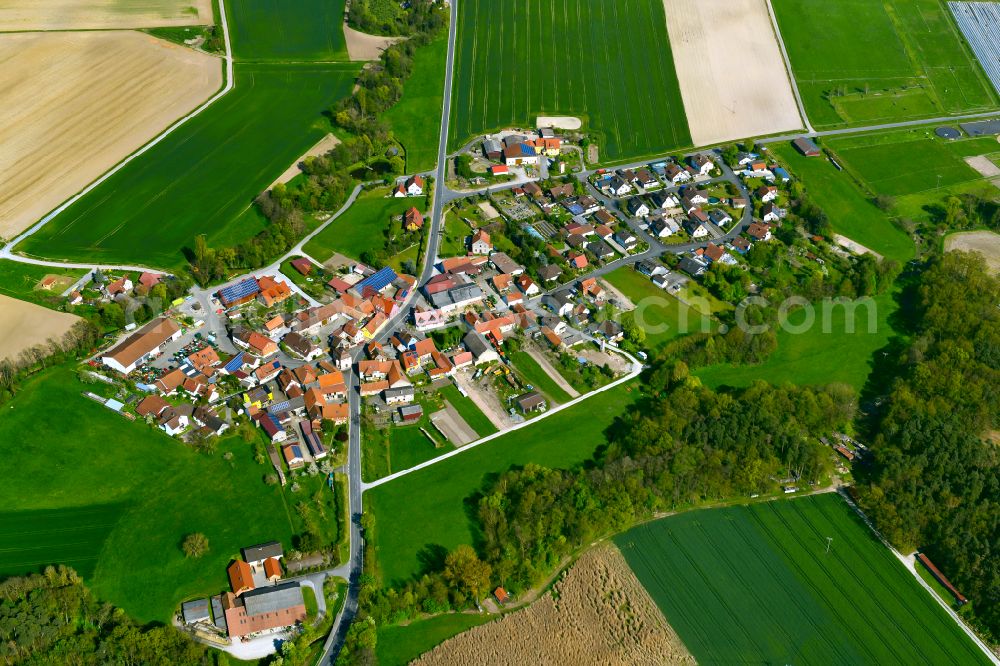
[866, 62]
[273, 30]
[851, 213]
[755, 584]
[416, 118]
[201, 178]
[607, 62]
[844, 352]
[656, 309]
[115, 499]
[362, 226]
[420, 513]
[910, 162]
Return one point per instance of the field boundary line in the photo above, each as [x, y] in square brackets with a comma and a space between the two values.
[788, 65]
[905, 561]
[635, 372]
[7, 253]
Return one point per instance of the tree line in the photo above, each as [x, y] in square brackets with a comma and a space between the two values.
[52, 618]
[934, 482]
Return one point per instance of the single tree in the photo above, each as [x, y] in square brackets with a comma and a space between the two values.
[195, 545]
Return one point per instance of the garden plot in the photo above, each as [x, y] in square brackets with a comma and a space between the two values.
[18, 15]
[92, 99]
[732, 77]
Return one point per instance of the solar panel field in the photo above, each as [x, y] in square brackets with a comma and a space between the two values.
[755, 584]
[905, 59]
[607, 62]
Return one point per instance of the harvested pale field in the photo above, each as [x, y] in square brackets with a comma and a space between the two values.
[602, 616]
[74, 104]
[985, 243]
[19, 15]
[560, 122]
[854, 246]
[985, 167]
[24, 325]
[732, 77]
[323, 146]
[361, 46]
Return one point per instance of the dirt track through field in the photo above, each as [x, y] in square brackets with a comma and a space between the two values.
[17, 15]
[601, 615]
[552, 372]
[74, 104]
[732, 77]
[23, 325]
[985, 243]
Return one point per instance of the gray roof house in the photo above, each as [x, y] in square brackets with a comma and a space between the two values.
[195, 611]
[256, 554]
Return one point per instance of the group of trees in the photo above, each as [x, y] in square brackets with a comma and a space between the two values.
[52, 618]
[384, 17]
[934, 483]
[77, 342]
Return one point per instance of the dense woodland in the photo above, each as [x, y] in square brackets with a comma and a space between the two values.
[52, 618]
[935, 480]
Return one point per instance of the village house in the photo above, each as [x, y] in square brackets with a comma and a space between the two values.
[549, 272]
[701, 164]
[271, 291]
[637, 207]
[481, 350]
[618, 186]
[519, 154]
[759, 232]
[676, 175]
[264, 609]
[480, 243]
[413, 220]
[766, 193]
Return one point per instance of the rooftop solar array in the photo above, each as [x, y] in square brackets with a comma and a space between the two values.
[378, 281]
[234, 364]
[241, 289]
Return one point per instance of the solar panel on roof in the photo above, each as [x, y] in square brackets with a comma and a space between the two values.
[239, 290]
[278, 407]
[234, 364]
[379, 280]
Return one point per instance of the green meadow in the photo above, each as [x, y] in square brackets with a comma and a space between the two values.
[607, 62]
[534, 374]
[850, 211]
[115, 499]
[416, 118]
[867, 62]
[801, 581]
[18, 280]
[418, 514]
[361, 227]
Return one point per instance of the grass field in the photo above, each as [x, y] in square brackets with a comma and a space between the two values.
[533, 374]
[401, 644]
[908, 56]
[754, 584]
[362, 226]
[415, 118]
[468, 410]
[656, 308]
[18, 280]
[117, 498]
[815, 357]
[272, 30]
[201, 178]
[420, 513]
[607, 62]
[851, 213]
[909, 162]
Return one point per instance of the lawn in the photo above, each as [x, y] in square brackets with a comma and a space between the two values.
[401, 644]
[906, 59]
[117, 498]
[902, 163]
[18, 280]
[468, 410]
[815, 356]
[362, 227]
[275, 31]
[800, 581]
[416, 117]
[394, 448]
[533, 374]
[607, 62]
[851, 213]
[204, 176]
[421, 513]
[661, 315]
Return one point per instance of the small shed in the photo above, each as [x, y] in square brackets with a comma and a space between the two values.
[411, 413]
[501, 596]
[531, 402]
[806, 146]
